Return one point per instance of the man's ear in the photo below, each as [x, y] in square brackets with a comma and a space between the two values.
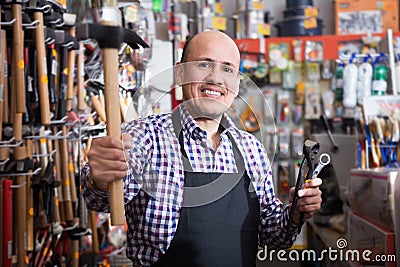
[178, 73]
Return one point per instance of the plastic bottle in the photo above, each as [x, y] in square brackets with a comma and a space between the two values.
[365, 71]
[379, 83]
[397, 71]
[350, 79]
[339, 82]
[158, 6]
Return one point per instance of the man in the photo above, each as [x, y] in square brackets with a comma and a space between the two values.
[180, 220]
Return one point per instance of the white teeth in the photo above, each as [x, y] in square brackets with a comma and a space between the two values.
[209, 92]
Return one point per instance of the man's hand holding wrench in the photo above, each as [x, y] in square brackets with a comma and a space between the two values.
[306, 196]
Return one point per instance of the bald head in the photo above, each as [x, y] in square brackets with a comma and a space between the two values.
[217, 39]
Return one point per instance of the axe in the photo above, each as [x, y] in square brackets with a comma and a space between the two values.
[102, 32]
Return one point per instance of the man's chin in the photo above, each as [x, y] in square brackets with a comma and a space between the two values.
[207, 109]
[207, 113]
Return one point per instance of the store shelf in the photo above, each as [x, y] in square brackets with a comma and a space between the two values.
[330, 43]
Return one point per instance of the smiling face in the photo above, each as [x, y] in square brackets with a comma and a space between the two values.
[209, 75]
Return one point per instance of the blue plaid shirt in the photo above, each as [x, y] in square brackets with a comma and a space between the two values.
[155, 181]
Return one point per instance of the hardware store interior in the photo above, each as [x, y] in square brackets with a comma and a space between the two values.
[318, 93]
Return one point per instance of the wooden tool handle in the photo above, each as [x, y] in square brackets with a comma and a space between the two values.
[75, 249]
[20, 153]
[18, 58]
[56, 211]
[71, 172]
[59, 196]
[96, 105]
[80, 78]
[66, 182]
[30, 239]
[95, 238]
[70, 80]
[42, 70]
[2, 78]
[113, 116]
[5, 71]
[7, 223]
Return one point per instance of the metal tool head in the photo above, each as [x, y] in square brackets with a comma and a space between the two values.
[310, 148]
[324, 159]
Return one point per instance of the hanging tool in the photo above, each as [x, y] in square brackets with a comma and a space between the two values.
[80, 78]
[324, 120]
[252, 119]
[18, 55]
[7, 222]
[70, 20]
[42, 68]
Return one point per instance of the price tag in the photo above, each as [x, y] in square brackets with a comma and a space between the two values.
[63, 3]
[389, 6]
[219, 8]
[219, 23]
[264, 29]
[311, 12]
[310, 23]
[258, 5]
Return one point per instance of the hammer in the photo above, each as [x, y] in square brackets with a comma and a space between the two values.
[102, 32]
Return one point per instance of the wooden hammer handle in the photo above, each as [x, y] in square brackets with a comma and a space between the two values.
[42, 70]
[80, 78]
[70, 81]
[113, 117]
[18, 58]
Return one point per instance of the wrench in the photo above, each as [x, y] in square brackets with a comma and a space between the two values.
[323, 160]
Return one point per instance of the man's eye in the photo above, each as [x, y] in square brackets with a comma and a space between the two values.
[205, 65]
[227, 69]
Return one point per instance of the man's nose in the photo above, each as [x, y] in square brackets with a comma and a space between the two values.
[216, 75]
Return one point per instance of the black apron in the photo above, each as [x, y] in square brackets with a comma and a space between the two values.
[221, 233]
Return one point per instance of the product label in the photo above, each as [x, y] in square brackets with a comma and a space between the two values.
[264, 29]
[311, 12]
[258, 5]
[339, 83]
[54, 66]
[379, 87]
[310, 23]
[5, 69]
[219, 8]
[219, 23]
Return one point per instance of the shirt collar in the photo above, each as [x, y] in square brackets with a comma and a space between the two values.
[192, 130]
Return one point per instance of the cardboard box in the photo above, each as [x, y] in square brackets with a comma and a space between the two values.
[366, 16]
[375, 196]
[364, 236]
[372, 195]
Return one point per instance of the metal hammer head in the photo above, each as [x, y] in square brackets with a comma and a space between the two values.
[109, 36]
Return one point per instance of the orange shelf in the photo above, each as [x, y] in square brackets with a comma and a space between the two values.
[330, 43]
